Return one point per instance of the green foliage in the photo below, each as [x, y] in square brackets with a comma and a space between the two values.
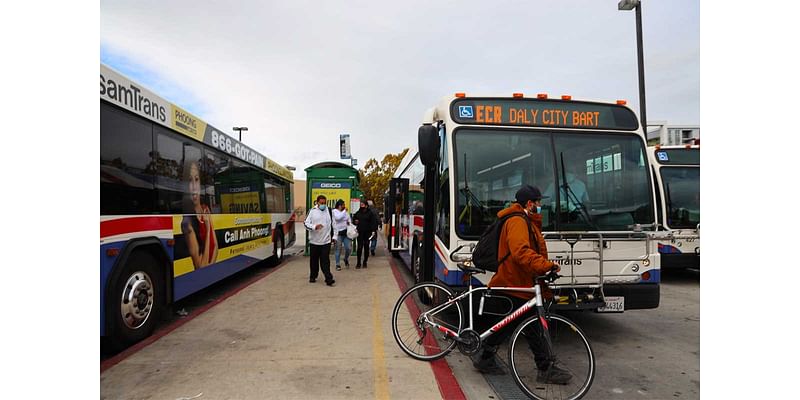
[375, 176]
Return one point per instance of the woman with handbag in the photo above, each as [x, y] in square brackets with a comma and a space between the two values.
[341, 220]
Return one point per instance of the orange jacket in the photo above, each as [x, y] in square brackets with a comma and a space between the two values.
[519, 269]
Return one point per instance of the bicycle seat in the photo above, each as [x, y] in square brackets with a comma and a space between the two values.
[469, 269]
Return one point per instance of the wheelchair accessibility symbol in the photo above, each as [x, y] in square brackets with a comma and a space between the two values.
[465, 111]
[662, 156]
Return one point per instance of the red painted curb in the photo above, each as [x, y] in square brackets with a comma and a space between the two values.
[448, 385]
[158, 334]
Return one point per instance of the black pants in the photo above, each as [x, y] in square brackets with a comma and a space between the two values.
[321, 257]
[532, 334]
[363, 244]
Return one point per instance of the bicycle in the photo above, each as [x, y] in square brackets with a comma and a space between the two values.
[437, 313]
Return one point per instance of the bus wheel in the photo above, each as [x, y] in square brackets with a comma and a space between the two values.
[135, 300]
[278, 248]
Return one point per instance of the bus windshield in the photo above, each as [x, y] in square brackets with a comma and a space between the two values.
[606, 180]
[682, 195]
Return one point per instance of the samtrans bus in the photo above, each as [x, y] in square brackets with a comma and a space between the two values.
[677, 177]
[182, 206]
[588, 157]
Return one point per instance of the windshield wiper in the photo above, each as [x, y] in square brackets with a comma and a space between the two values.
[572, 197]
[471, 198]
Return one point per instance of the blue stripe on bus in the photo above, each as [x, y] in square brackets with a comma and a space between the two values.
[655, 276]
[453, 278]
[189, 283]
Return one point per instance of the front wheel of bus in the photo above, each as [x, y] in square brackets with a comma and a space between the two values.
[135, 301]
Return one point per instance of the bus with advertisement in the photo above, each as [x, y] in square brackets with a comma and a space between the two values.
[677, 177]
[182, 206]
[588, 157]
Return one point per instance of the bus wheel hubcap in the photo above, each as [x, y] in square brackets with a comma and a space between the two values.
[137, 300]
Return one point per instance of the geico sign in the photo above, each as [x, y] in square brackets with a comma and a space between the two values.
[330, 185]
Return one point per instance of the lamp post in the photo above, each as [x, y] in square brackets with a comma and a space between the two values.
[240, 129]
[628, 5]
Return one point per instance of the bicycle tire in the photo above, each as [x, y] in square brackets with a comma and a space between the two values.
[572, 351]
[416, 338]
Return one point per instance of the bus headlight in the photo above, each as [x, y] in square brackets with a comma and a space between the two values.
[646, 262]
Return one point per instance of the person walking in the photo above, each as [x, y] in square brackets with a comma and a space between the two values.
[320, 229]
[341, 220]
[373, 241]
[521, 238]
[366, 224]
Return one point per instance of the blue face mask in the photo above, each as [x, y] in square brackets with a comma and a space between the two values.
[322, 207]
[538, 209]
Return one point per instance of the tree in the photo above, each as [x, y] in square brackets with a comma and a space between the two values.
[375, 176]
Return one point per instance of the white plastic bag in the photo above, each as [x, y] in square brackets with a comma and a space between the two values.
[352, 232]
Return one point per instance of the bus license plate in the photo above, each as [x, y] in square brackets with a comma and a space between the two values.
[613, 304]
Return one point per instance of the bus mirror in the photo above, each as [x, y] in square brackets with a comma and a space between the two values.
[428, 138]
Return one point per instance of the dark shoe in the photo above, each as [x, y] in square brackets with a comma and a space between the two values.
[358, 266]
[372, 252]
[488, 366]
[331, 283]
[338, 268]
[346, 263]
[312, 280]
[554, 374]
[365, 264]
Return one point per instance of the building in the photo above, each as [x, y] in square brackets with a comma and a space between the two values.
[659, 132]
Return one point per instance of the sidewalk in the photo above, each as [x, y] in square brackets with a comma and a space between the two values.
[284, 338]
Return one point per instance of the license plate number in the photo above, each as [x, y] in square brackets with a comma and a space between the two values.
[613, 304]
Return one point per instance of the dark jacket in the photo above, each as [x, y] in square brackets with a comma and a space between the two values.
[365, 220]
[528, 259]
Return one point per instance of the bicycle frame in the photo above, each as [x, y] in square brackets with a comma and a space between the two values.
[536, 301]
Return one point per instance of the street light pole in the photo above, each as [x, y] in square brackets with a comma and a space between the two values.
[240, 129]
[629, 5]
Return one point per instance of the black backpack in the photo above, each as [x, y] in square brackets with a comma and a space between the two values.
[485, 254]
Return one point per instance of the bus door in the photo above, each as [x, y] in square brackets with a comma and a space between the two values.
[397, 210]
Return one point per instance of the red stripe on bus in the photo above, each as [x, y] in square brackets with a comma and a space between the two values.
[448, 385]
[134, 224]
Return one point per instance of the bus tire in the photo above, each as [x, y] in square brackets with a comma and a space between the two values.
[279, 247]
[136, 300]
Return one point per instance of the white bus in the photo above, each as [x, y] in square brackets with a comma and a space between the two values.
[588, 157]
[677, 176]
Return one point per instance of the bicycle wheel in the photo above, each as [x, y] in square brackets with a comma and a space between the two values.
[571, 350]
[413, 333]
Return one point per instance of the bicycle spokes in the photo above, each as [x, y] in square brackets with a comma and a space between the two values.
[556, 363]
[430, 319]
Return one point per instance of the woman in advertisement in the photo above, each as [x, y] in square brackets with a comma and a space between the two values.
[197, 229]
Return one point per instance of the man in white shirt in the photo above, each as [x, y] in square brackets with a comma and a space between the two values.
[319, 226]
[341, 220]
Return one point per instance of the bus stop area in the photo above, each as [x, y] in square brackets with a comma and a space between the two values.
[284, 337]
[276, 335]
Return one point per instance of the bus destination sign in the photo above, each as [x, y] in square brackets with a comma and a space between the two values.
[543, 113]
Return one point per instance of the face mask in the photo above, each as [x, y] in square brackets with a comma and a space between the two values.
[322, 207]
[538, 209]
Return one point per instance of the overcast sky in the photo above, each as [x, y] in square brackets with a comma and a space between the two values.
[299, 73]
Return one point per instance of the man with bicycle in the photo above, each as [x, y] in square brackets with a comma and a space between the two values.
[522, 253]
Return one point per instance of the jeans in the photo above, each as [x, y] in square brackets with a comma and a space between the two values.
[342, 245]
[532, 335]
[373, 243]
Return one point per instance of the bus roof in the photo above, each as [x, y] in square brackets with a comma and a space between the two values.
[117, 89]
